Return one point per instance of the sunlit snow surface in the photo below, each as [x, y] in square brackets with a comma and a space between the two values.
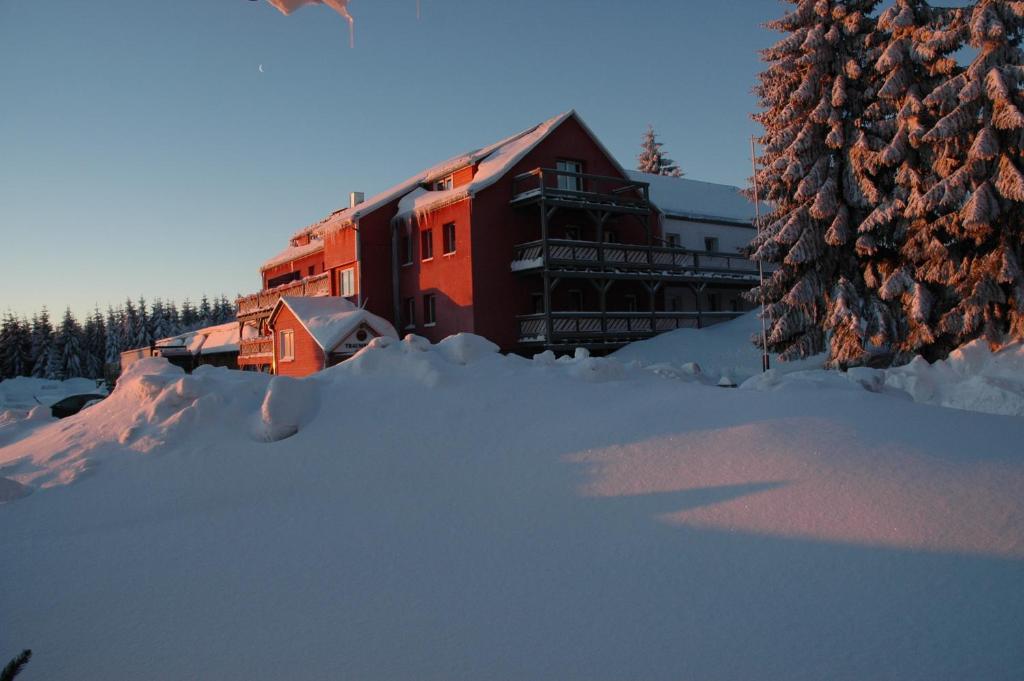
[443, 512]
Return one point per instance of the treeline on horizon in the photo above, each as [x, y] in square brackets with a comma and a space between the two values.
[39, 348]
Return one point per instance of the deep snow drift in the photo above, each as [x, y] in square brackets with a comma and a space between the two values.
[443, 512]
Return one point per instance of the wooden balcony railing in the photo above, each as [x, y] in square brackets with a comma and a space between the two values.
[261, 345]
[592, 255]
[584, 188]
[259, 304]
[597, 326]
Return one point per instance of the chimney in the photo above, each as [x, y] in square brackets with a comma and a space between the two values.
[355, 198]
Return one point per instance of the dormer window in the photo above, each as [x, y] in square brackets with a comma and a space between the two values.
[444, 184]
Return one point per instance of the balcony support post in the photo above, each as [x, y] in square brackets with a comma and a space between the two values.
[549, 326]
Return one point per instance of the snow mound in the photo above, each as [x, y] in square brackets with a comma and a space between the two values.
[972, 378]
[721, 350]
[466, 348]
[290, 404]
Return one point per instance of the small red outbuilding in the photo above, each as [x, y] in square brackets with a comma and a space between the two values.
[311, 334]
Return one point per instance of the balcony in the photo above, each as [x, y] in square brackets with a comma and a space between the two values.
[260, 347]
[580, 190]
[608, 329]
[260, 304]
[629, 261]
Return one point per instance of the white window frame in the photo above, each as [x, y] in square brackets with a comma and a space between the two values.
[445, 183]
[347, 282]
[286, 342]
[430, 310]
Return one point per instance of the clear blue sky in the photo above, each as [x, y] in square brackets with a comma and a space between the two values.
[142, 152]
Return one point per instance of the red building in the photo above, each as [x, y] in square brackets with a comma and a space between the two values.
[540, 241]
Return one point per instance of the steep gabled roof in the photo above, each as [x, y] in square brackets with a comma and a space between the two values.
[330, 319]
[495, 161]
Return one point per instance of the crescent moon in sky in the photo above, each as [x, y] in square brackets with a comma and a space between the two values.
[261, 68]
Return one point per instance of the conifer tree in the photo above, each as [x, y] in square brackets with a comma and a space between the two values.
[69, 340]
[188, 316]
[42, 341]
[205, 311]
[913, 56]
[143, 331]
[812, 94]
[652, 159]
[115, 323]
[971, 251]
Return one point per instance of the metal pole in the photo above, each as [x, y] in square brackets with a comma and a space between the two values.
[765, 357]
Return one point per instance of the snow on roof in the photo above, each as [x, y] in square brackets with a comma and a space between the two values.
[330, 319]
[293, 253]
[680, 197]
[495, 160]
[205, 341]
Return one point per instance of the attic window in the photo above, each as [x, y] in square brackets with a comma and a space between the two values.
[445, 183]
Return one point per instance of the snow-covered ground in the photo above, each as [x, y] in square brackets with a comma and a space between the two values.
[444, 512]
[25, 404]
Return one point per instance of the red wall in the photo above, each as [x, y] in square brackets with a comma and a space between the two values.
[302, 265]
[309, 358]
[499, 295]
[447, 276]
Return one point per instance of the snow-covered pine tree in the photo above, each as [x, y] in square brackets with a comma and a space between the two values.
[115, 324]
[972, 252]
[159, 321]
[652, 159]
[912, 54]
[205, 312]
[42, 340]
[130, 326]
[19, 353]
[93, 345]
[188, 316]
[812, 94]
[8, 345]
[69, 340]
[173, 318]
[143, 332]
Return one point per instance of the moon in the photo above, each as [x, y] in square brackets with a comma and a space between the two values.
[261, 68]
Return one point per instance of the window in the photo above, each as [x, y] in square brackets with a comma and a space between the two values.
[286, 345]
[312, 270]
[630, 302]
[347, 282]
[427, 244]
[714, 304]
[575, 300]
[406, 246]
[735, 304]
[570, 183]
[444, 183]
[611, 237]
[672, 240]
[711, 243]
[429, 309]
[572, 233]
[410, 313]
[675, 304]
[449, 237]
[537, 303]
